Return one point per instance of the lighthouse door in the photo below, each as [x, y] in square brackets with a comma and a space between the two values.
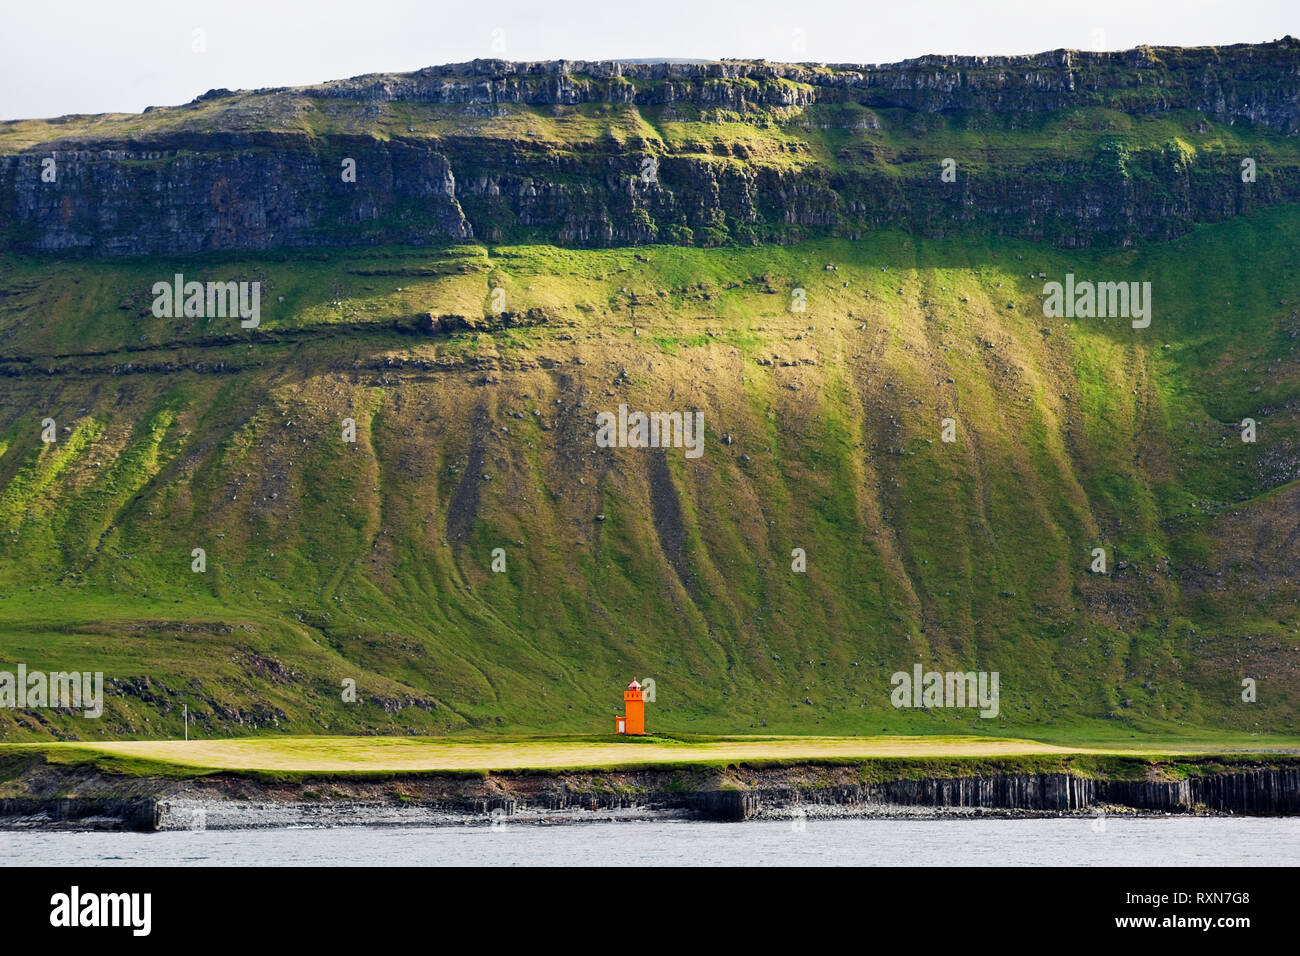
[622, 725]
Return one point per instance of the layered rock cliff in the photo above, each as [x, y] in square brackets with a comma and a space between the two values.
[1069, 147]
[43, 795]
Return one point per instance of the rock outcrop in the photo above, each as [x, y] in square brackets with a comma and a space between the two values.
[1246, 785]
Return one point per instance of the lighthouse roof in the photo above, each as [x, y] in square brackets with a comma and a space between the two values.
[634, 685]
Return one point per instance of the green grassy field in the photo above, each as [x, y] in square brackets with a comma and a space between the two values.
[377, 755]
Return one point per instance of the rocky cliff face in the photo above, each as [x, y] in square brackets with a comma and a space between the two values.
[186, 194]
[1260, 84]
[1105, 149]
[1252, 787]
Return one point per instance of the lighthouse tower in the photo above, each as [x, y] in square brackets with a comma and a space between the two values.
[633, 722]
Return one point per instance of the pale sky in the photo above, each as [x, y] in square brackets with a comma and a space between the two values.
[92, 56]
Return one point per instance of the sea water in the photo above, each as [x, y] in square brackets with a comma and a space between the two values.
[1078, 841]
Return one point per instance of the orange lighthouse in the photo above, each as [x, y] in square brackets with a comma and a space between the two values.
[633, 722]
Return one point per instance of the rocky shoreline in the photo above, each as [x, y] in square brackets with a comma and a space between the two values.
[45, 796]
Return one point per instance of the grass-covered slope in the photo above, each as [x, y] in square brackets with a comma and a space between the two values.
[372, 561]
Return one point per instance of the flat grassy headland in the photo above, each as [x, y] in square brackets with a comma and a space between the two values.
[384, 755]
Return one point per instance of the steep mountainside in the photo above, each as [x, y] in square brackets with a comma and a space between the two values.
[794, 268]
